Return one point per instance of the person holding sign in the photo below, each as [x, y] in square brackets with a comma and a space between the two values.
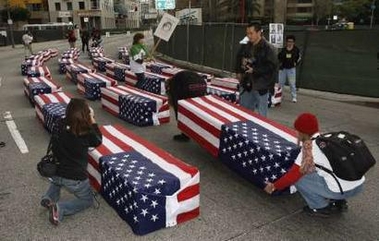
[138, 54]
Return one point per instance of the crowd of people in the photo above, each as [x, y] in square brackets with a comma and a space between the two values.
[258, 68]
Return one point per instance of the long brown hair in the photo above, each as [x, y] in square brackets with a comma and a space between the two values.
[78, 116]
[137, 37]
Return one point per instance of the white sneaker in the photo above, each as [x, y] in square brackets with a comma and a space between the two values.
[294, 100]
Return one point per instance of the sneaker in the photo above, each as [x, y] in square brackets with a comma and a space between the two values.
[181, 138]
[338, 205]
[45, 203]
[321, 212]
[294, 100]
[53, 214]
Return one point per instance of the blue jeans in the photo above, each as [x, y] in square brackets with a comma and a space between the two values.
[254, 101]
[289, 74]
[316, 193]
[81, 190]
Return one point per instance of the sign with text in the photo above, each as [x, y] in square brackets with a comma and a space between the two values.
[276, 31]
[166, 27]
[164, 4]
[64, 14]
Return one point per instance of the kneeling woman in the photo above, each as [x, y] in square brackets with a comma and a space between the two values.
[319, 188]
[78, 132]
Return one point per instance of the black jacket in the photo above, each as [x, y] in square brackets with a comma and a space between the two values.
[72, 152]
[264, 64]
[289, 59]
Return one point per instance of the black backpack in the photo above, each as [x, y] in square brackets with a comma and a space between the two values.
[348, 155]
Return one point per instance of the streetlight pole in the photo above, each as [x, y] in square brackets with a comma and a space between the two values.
[372, 13]
[10, 23]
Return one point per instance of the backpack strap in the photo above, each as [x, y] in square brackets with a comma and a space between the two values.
[332, 174]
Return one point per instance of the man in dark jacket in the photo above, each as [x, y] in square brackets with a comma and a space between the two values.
[257, 70]
[85, 39]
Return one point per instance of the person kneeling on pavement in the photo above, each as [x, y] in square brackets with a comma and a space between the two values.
[318, 188]
[184, 85]
[78, 132]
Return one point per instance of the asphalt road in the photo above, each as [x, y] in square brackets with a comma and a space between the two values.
[231, 208]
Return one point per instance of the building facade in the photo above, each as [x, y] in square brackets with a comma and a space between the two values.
[85, 13]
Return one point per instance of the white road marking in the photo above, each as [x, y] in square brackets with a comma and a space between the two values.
[15, 133]
[1, 79]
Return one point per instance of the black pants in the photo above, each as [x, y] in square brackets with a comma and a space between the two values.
[85, 44]
[140, 80]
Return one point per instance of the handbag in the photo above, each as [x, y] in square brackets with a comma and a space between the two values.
[47, 167]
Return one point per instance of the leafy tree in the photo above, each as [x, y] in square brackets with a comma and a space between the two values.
[353, 9]
[322, 9]
[17, 14]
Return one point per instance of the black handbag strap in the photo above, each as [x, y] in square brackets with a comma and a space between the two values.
[332, 174]
[50, 147]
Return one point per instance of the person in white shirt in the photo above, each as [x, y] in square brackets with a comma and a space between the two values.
[27, 39]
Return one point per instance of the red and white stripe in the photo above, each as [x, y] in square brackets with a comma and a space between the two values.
[43, 99]
[42, 70]
[130, 78]
[216, 90]
[110, 101]
[276, 99]
[76, 67]
[182, 205]
[108, 81]
[228, 83]
[171, 71]
[55, 87]
[201, 118]
[97, 60]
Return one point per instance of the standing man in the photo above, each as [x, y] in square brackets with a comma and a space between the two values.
[256, 70]
[289, 58]
[27, 39]
[71, 38]
[84, 34]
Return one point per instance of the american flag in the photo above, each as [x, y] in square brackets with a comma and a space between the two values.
[170, 72]
[156, 67]
[52, 113]
[132, 104]
[149, 188]
[130, 78]
[89, 84]
[53, 85]
[29, 63]
[74, 69]
[53, 52]
[276, 98]
[201, 118]
[116, 70]
[256, 153]
[96, 52]
[227, 94]
[125, 58]
[154, 83]
[228, 83]
[62, 63]
[44, 99]
[122, 50]
[38, 71]
[100, 63]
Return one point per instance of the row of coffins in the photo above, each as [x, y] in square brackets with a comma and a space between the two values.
[68, 57]
[148, 188]
[31, 65]
[255, 147]
[96, 52]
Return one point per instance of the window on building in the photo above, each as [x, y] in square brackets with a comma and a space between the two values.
[59, 20]
[305, 1]
[304, 10]
[58, 6]
[82, 5]
[69, 6]
[70, 19]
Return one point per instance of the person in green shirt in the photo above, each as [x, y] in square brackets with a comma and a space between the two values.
[138, 54]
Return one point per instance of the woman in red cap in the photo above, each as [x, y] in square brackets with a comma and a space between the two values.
[319, 189]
